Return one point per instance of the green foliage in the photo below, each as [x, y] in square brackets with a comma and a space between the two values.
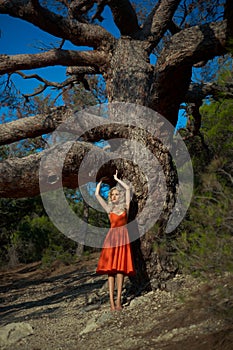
[205, 240]
[27, 233]
[217, 126]
[56, 253]
[205, 237]
[205, 244]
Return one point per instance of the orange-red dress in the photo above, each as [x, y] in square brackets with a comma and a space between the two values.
[116, 254]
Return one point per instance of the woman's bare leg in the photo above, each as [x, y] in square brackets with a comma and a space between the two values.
[120, 280]
[111, 285]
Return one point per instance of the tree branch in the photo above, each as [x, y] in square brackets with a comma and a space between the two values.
[197, 92]
[68, 82]
[17, 173]
[174, 65]
[77, 8]
[195, 44]
[62, 162]
[33, 126]
[173, 28]
[70, 29]
[47, 82]
[159, 20]
[37, 125]
[124, 16]
[9, 64]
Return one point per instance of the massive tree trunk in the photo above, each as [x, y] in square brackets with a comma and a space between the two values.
[130, 74]
[129, 79]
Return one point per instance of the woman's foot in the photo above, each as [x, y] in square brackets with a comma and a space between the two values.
[112, 306]
[118, 308]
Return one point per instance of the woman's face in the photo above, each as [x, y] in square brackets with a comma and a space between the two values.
[115, 196]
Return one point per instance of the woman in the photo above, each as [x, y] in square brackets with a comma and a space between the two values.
[116, 258]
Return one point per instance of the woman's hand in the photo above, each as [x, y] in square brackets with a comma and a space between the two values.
[115, 176]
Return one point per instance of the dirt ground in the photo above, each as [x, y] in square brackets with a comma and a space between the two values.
[68, 309]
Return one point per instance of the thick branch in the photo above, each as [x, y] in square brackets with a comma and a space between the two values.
[32, 126]
[69, 29]
[59, 167]
[19, 177]
[174, 67]
[195, 44]
[198, 92]
[9, 64]
[74, 124]
[159, 20]
[124, 16]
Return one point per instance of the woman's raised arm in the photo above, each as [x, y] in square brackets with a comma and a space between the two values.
[127, 190]
[100, 199]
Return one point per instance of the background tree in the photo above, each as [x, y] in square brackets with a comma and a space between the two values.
[181, 34]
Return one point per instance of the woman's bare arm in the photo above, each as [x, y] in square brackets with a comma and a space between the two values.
[100, 199]
[127, 190]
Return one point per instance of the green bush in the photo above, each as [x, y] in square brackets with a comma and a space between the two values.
[203, 251]
[56, 253]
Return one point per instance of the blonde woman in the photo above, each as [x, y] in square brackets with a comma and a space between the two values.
[116, 257]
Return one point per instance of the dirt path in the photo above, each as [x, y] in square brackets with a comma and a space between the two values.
[67, 306]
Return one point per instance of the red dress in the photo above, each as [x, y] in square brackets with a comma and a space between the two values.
[116, 254]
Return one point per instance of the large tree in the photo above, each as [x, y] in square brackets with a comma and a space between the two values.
[182, 34]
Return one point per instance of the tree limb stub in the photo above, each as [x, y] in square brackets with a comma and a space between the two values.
[82, 70]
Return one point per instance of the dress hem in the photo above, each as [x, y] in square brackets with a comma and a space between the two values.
[113, 272]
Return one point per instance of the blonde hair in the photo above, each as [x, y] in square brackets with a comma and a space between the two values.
[121, 203]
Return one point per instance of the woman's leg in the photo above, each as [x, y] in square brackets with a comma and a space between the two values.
[111, 285]
[120, 280]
